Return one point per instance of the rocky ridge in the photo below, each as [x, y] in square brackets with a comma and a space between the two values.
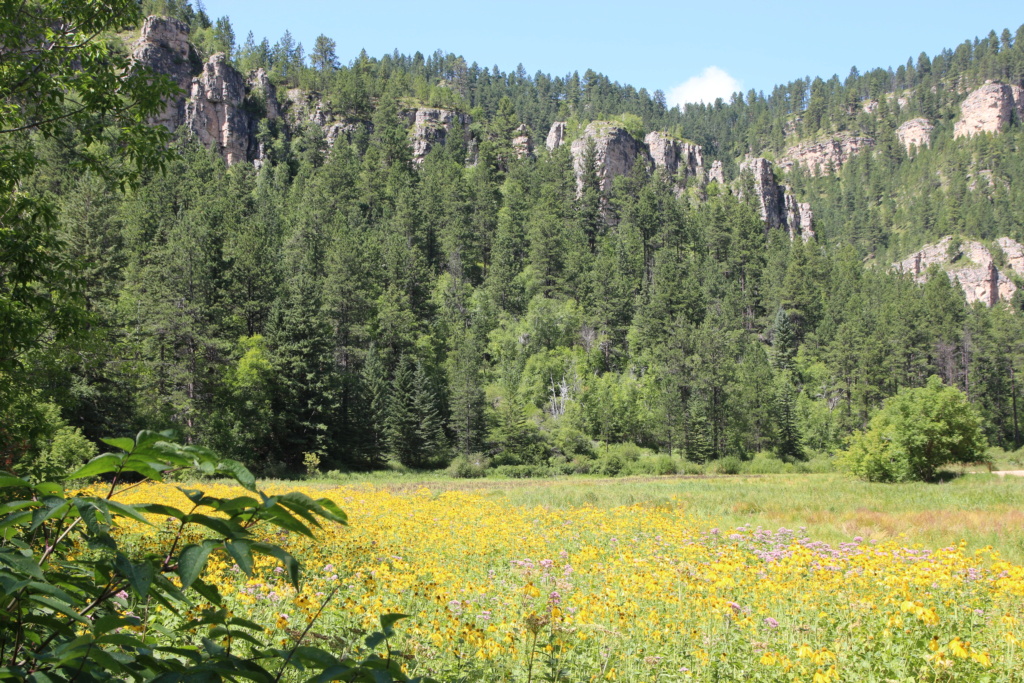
[675, 156]
[717, 172]
[778, 206]
[522, 143]
[431, 126]
[555, 135]
[215, 102]
[971, 265]
[222, 108]
[989, 109]
[214, 111]
[164, 47]
[824, 156]
[616, 150]
[915, 133]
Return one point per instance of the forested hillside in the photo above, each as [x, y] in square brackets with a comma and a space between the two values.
[392, 260]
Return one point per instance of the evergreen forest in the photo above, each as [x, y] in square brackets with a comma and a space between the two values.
[345, 304]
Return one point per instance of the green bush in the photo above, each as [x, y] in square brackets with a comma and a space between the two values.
[659, 464]
[691, 468]
[764, 462]
[730, 464]
[524, 471]
[916, 432]
[51, 448]
[610, 464]
[572, 442]
[468, 467]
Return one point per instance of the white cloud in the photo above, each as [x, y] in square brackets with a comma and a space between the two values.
[709, 85]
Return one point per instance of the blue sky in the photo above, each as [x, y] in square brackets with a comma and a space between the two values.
[689, 50]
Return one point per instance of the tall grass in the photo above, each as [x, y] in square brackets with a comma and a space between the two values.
[982, 509]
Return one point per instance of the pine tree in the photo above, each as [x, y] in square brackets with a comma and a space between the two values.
[400, 418]
[783, 341]
[466, 396]
[789, 444]
[431, 442]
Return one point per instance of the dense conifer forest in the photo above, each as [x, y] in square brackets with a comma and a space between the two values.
[350, 304]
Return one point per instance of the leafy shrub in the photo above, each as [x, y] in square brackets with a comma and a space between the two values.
[471, 466]
[524, 471]
[764, 462]
[820, 465]
[691, 468]
[572, 442]
[312, 462]
[660, 464]
[610, 464]
[730, 464]
[664, 465]
[916, 432]
[54, 448]
[582, 466]
[83, 598]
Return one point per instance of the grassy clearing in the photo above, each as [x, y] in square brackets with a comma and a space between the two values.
[980, 508]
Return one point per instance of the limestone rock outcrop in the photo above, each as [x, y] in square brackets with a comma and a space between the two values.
[213, 100]
[776, 203]
[431, 126]
[823, 156]
[260, 88]
[717, 173]
[989, 109]
[915, 133]
[214, 111]
[522, 143]
[555, 135]
[615, 152]
[164, 47]
[870, 106]
[305, 106]
[676, 157]
[969, 264]
[770, 199]
[1014, 252]
[799, 218]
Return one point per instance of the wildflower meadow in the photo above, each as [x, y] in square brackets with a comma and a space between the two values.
[498, 592]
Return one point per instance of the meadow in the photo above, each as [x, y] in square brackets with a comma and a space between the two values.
[770, 578]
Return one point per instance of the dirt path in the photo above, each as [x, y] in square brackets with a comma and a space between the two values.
[1012, 473]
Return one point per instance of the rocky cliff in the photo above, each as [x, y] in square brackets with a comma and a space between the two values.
[431, 126]
[717, 173]
[680, 159]
[222, 108]
[555, 135]
[304, 107]
[164, 47]
[213, 100]
[522, 143]
[989, 109]
[777, 205]
[971, 265]
[824, 156]
[799, 217]
[915, 133]
[615, 152]
[214, 111]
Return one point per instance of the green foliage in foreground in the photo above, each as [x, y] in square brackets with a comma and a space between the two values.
[916, 432]
[66, 584]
